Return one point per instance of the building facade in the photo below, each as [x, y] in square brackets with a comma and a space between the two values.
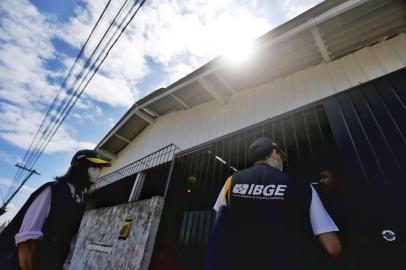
[329, 86]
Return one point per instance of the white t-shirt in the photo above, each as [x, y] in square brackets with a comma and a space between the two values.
[37, 213]
[320, 220]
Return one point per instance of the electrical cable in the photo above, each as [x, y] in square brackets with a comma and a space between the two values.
[88, 81]
[62, 109]
[20, 172]
[70, 95]
[65, 105]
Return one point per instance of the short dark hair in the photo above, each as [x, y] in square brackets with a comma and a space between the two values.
[331, 166]
[261, 149]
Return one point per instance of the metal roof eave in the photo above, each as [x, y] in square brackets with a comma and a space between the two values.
[307, 21]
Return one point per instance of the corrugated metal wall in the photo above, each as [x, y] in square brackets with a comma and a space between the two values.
[369, 127]
[210, 120]
[367, 136]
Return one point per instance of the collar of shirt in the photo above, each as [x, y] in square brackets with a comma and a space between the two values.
[78, 199]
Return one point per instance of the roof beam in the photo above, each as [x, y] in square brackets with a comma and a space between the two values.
[226, 84]
[107, 154]
[303, 27]
[212, 91]
[151, 111]
[341, 8]
[122, 138]
[144, 116]
[180, 101]
[321, 45]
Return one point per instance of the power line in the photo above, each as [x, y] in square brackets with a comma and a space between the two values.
[37, 147]
[67, 78]
[77, 92]
[19, 173]
[67, 100]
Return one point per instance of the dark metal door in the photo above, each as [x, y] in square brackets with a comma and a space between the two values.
[369, 126]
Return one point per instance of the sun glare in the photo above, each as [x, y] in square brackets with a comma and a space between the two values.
[239, 51]
[236, 36]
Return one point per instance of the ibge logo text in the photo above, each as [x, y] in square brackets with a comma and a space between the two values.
[254, 191]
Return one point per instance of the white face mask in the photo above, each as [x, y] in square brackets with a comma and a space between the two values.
[275, 161]
[279, 163]
[94, 174]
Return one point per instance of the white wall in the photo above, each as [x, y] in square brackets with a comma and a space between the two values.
[210, 120]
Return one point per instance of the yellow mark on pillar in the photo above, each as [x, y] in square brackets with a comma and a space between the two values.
[125, 229]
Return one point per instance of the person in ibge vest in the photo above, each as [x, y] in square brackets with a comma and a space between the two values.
[267, 219]
[40, 235]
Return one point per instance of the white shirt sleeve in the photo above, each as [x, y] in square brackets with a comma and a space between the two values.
[34, 218]
[319, 218]
[220, 199]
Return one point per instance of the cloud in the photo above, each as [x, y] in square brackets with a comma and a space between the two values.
[118, 92]
[177, 36]
[19, 126]
[5, 183]
[11, 159]
[25, 89]
[26, 45]
[115, 83]
[180, 36]
[296, 7]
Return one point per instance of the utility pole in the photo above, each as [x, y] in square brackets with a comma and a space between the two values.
[3, 208]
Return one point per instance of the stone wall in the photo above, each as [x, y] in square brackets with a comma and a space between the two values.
[98, 246]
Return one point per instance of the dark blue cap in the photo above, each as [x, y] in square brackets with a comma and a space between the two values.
[91, 155]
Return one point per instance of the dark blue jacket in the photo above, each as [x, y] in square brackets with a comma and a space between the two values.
[266, 224]
[59, 228]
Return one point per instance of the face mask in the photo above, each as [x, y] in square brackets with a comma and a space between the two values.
[279, 163]
[276, 161]
[94, 174]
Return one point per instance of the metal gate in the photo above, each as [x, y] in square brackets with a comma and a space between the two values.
[361, 131]
[369, 126]
[198, 174]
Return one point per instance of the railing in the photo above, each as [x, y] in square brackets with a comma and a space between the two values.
[156, 158]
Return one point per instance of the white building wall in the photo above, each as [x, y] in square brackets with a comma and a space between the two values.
[210, 120]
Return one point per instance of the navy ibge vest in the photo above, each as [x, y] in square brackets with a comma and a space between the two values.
[59, 228]
[266, 224]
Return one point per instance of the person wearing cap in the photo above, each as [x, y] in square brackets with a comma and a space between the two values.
[268, 219]
[40, 235]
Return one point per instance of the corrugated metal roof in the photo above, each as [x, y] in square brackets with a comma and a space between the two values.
[363, 24]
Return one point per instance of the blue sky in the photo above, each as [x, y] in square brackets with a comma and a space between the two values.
[40, 39]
